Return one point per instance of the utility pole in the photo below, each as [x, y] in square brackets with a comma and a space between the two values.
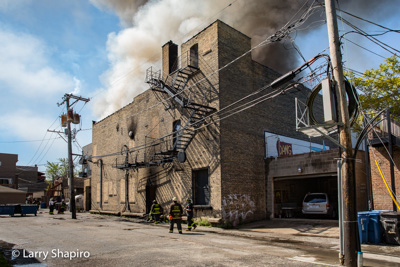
[348, 185]
[66, 99]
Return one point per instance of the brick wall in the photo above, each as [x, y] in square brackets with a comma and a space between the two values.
[381, 198]
[231, 149]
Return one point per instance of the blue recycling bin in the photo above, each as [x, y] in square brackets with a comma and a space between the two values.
[363, 221]
[43, 205]
[374, 227]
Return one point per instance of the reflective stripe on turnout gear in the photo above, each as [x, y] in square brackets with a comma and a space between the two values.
[156, 209]
[176, 211]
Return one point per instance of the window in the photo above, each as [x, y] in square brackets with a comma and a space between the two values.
[194, 56]
[201, 187]
[5, 181]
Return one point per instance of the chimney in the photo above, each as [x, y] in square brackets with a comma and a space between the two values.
[169, 58]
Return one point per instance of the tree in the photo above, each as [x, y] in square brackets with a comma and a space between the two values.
[55, 170]
[380, 87]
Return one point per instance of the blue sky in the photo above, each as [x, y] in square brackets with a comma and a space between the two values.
[48, 48]
[101, 48]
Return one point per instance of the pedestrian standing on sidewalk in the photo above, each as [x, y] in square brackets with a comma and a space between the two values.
[175, 216]
[189, 211]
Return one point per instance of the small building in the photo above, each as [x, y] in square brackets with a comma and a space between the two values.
[11, 196]
[31, 180]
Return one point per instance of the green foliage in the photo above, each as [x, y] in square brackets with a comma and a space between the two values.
[55, 170]
[203, 222]
[380, 87]
[226, 225]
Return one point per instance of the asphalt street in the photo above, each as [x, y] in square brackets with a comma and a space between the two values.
[98, 240]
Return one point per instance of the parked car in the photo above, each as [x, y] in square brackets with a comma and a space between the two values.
[318, 203]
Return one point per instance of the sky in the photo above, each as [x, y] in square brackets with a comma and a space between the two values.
[100, 49]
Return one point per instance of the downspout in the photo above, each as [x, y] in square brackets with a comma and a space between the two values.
[389, 125]
[370, 203]
[101, 184]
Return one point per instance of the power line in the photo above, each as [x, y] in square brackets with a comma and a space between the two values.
[28, 141]
[364, 48]
[376, 24]
[368, 36]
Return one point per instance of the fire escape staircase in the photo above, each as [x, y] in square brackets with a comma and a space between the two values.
[174, 87]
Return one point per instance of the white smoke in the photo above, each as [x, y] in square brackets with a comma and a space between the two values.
[134, 49]
[149, 24]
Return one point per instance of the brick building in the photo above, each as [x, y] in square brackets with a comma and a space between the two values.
[31, 180]
[8, 167]
[181, 137]
[379, 150]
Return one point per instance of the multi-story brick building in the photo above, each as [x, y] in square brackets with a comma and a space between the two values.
[379, 155]
[183, 137]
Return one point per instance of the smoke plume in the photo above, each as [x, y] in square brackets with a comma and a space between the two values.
[149, 24]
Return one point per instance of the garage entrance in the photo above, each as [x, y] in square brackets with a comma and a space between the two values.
[289, 192]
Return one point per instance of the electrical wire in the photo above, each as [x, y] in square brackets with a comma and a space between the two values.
[364, 48]
[369, 37]
[398, 31]
[27, 141]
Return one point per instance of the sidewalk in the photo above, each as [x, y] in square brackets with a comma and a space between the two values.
[317, 233]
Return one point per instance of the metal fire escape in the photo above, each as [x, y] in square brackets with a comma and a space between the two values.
[176, 88]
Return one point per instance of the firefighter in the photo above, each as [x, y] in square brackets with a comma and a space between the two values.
[62, 207]
[189, 211]
[156, 211]
[175, 216]
[51, 206]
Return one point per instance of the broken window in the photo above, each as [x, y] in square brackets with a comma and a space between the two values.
[194, 56]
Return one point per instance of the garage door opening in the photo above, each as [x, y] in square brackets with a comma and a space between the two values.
[289, 193]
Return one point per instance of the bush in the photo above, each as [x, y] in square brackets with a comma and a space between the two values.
[203, 222]
[226, 225]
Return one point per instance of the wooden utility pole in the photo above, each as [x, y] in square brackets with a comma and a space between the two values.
[66, 99]
[348, 185]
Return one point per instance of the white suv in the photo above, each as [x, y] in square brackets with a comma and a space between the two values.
[318, 203]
